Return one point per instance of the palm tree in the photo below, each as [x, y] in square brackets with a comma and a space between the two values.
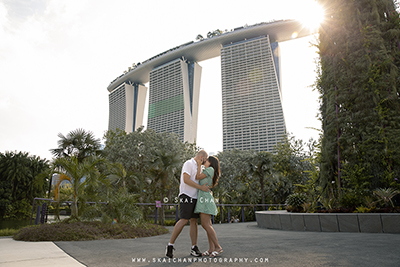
[163, 168]
[260, 166]
[121, 178]
[77, 143]
[79, 174]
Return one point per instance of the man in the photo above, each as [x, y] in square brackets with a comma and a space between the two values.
[187, 202]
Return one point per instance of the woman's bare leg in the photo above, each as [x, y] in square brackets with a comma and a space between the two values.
[212, 236]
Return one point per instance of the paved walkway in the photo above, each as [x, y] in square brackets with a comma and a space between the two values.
[33, 254]
[244, 244]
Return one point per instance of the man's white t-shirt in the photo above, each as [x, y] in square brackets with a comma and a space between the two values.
[189, 167]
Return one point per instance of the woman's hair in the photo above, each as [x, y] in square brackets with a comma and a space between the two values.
[214, 162]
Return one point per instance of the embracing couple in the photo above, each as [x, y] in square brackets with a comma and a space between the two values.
[196, 200]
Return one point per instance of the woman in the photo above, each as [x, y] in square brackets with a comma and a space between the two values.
[205, 203]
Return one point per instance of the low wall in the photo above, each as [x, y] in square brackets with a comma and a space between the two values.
[330, 222]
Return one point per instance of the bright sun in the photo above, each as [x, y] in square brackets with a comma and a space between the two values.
[312, 14]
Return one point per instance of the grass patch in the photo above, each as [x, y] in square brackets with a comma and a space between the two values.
[78, 231]
[8, 232]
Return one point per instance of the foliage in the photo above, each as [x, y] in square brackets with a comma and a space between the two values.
[20, 183]
[234, 185]
[385, 195]
[329, 203]
[83, 176]
[291, 157]
[120, 207]
[8, 232]
[78, 143]
[296, 167]
[79, 231]
[260, 167]
[261, 177]
[363, 209]
[153, 159]
[295, 201]
[352, 198]
[217, 32]
[358, 82]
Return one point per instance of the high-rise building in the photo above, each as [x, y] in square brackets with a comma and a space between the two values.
[251, 96]
[251, 87]
[126, 107]
[174, 98]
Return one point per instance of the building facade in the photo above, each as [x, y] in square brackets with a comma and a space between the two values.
[251, 96]
[174, 98]
[126, 107]
[251, 87]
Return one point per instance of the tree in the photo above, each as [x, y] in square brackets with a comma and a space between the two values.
[164, 169]
[20, 183]
[214, 33]
[358, 82]
[143, 154]
[78, 143]
[81, 175]
[260, 167]
[199, 37]
[234, 185]
[122, 179]
[290, 159]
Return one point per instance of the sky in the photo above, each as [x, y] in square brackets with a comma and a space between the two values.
[58, 57]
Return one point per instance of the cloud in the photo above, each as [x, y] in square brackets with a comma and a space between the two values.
[22, 9]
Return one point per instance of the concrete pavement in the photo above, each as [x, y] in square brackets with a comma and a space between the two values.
[41, 254]
[244, 244]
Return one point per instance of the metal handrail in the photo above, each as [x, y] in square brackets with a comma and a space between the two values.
[218, 205]
[174, 204]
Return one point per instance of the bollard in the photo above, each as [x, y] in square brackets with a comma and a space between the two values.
[43, 214]
[37, 215]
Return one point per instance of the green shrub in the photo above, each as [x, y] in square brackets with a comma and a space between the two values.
[76, 231]
[169, 222]
[8, 232]
[385, 195]
[296, 200]
[350, 199]
[363, 209]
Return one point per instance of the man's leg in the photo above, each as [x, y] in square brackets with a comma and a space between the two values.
[194, 251]
[193, 231]
[175, 233]
[178, 229]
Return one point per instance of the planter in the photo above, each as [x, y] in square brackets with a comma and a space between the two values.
[330, 222]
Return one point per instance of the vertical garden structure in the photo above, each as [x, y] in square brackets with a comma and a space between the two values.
[359, 82]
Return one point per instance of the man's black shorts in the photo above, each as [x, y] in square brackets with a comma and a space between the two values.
[186, 207]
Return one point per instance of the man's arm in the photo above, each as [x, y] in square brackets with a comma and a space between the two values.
[186, 180]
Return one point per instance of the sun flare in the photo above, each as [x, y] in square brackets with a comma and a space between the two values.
[311, 15]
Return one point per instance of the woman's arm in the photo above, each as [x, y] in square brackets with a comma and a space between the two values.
[199, 175]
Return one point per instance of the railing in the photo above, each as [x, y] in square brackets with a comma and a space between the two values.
[41, 214]
[221, 206]
[41, 210]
